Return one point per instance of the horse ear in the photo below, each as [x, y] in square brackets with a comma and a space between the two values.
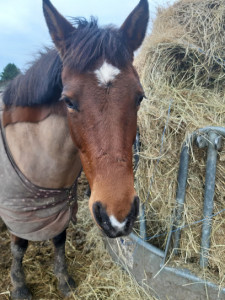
[59, 28]
[135, 26]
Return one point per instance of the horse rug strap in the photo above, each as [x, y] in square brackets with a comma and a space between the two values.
[31, 212]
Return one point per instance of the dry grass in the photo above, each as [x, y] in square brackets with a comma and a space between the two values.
[186, 47]
[96, 275]
[175, 72]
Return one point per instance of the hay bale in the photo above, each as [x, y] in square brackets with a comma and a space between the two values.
[185, 90]
[187, 45]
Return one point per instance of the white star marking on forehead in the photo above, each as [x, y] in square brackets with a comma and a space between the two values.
[106, 74]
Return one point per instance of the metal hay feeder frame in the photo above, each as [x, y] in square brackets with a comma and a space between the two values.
[146, 263]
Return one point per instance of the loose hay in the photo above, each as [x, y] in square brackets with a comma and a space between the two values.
[182, 66]
[186, 47]
[96, 275]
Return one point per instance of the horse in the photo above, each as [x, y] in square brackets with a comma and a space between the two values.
[75, 107]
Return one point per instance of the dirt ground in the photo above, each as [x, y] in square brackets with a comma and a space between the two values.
[96, 276]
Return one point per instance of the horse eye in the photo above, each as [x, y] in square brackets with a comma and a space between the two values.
[71, 104]
[139, 100]
[68, 102]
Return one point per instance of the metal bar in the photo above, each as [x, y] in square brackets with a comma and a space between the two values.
[208, 199]
[136, 150]
[180, 198]
[181, 191]
[168, 241]
[142, 220]
[138, 241]
[218, 130]
[213, 133]
[184, 273]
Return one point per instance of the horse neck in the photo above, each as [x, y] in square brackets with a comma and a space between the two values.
[43, 149]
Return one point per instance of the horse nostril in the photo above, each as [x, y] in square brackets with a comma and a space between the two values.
[133, 214]
[101, 216]
[97, 210]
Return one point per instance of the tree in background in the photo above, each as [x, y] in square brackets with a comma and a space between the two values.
[9, 72]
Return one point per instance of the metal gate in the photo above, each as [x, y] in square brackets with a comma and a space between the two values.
[148, 263]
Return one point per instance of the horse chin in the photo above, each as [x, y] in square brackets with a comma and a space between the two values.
[112, 235]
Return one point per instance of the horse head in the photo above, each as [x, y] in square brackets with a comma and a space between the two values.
[102, 94]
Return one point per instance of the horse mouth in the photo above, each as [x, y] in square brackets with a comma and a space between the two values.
[112, 228]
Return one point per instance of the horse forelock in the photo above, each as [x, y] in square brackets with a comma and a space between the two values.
[90, 43]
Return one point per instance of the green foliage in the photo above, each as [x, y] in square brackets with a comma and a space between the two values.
[9, 72]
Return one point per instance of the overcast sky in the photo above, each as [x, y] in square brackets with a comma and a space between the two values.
[23, 30]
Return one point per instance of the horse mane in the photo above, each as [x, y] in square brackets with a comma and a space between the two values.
[41, 83]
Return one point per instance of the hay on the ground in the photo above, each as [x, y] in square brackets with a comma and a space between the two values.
[182, 67]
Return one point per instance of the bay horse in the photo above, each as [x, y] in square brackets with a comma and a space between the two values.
[75, 107]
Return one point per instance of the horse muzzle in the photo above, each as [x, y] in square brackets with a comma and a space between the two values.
[110, 225]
